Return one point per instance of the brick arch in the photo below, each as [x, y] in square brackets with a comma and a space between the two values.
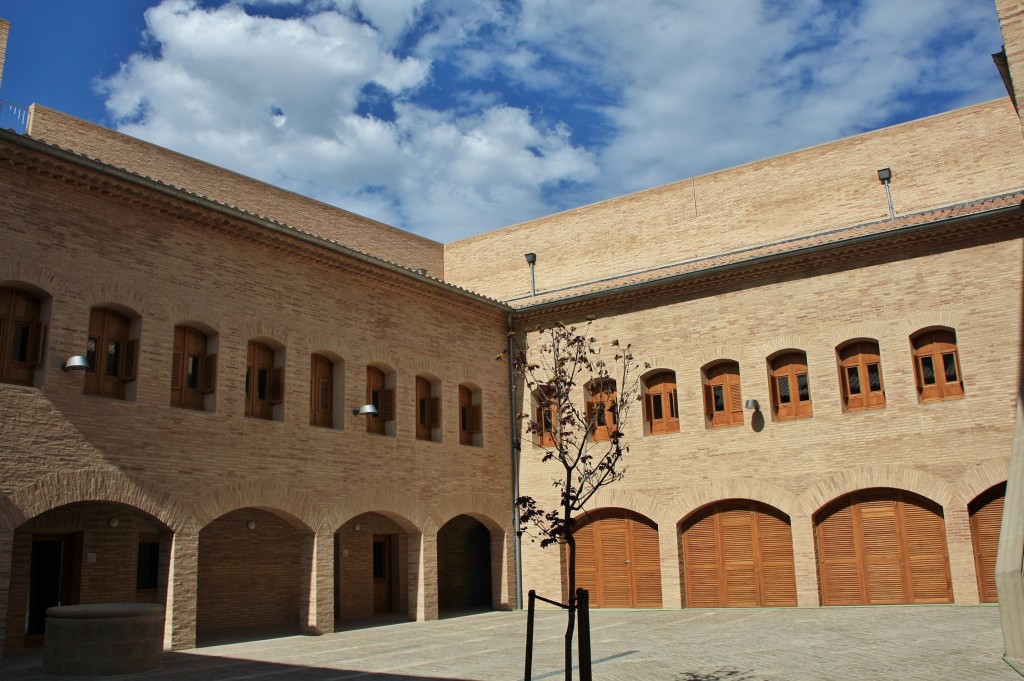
[294, 506]
[19, 271]
[382, 357]
[693, 499]
[106, 484]
[633, 500]
[480, 507]
[187, 311]
[789, 341]
[325, 344]
[929, 318]
[853, 331]
[267, 328]
[850, 480]
[116, 296]
[662, 363]
[401, 508]
[980, 478]
[719, 353]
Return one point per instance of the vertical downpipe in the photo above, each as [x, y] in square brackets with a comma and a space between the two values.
[513, 431]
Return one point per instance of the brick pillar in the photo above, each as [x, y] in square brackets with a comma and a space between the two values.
[668, 553]
[6, 555]
[1010, 561]
[960, 550]
[182, 580]
[804, 561]
[318, 557]
[423, 577]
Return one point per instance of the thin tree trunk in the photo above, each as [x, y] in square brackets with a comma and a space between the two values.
[570, 541]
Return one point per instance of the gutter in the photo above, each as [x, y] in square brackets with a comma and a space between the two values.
[515, 451]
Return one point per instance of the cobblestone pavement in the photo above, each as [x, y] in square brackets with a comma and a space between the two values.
[905, 643]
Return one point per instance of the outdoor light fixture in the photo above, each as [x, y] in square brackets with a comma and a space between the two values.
[531, 260]
[75, 363]
[357, 527]
[113, 522]
[421, 271]
[753, 404]
[365, 410]
[885, 177]
[251, 525]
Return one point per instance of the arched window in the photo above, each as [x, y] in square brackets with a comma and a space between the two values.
[860, 375]
[21, 336]
[723, 403]
[661, 410]
[321, 391]
[193, 370]
[937, 366]
[113, 356]
[602, 409]
[790, 386]
[428, 409]
[380, 393]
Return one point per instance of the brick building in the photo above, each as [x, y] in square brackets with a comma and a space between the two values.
[209, 458]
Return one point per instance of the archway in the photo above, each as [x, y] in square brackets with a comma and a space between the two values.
[371, 556]
[464, 572]
[617, 559]
[986, 512]
[737, 553]
[83, 552]
[253, 568]
[880, 546]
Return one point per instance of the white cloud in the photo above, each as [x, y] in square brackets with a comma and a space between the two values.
[450, 118]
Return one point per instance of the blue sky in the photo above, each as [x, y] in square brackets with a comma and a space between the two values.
[450, 118]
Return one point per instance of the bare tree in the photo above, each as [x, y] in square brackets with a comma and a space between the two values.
[585, 437]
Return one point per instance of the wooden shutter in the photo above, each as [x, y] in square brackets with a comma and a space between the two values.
[37, 333]
[737, 528]
[617, 560]
[662, 386]
[927, 562]
[208, 374]
[475, 419]
[614, 559]
[387, 404]
[735, 399]
[882, 556]
[986, 516]
[701, 561]
[130, 365]
[176, 381]
[434, 412]
[709, 403]
[276, 393]
[777, 570]
[645, 561]
[838, 557]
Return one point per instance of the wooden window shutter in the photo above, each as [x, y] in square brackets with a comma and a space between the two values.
[176, 371]
[475, 418]
[323, 393]
[735, 399]
[130, 368]
[208, 374]
[434, 412]
[276, 385]
[387, 405]
[709, 402]
[35, 343]
[649, 409]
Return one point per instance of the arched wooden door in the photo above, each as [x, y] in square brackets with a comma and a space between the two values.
[738, 553]
[882, 546]
[986, 516]
[617, 559]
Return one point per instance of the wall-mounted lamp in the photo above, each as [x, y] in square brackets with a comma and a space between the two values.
[885, 177]
[421, 271]
[113, 522]
[531, 260]
[753, 404]
[357, 527]
[251, 525]
[365, 410]
[75, 363]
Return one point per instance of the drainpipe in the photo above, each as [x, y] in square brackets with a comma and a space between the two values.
[513, 431]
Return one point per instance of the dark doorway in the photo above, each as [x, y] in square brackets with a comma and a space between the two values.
[383, 574]
[464, 565]
[53, 580]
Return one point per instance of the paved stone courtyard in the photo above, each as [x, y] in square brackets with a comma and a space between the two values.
[891, 643]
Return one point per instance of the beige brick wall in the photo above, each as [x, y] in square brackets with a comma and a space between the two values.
[79, 245]
[943, 160]
[949, 451]
[253, 196]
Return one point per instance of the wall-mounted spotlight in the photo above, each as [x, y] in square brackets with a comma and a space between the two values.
[885, 177]
[365, 410]
[753, 404]
[421, 271]
[531, 260]
[251, 525]
[113, 522]
[75, 363]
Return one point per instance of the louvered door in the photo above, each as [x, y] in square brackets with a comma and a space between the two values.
[883, 546]
[738, 553]
[617, 560]
[986, 516]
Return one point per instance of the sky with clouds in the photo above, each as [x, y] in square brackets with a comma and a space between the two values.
[453, 117]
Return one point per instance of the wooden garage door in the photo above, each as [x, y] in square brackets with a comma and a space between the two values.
[986, 516]
[882, 546]
[617, 560]
[738, 553]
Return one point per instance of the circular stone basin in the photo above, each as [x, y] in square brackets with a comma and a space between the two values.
[103, 639]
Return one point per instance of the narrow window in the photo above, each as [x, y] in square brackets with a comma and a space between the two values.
[21, 336]
[193, 371]
[264, 387]
[937, 366]
[861, 373]
[660, 411]
[790, 389]
[601, 406]
[723, 403]
[545, 419]
[382, 398]
[321, 391]
[112, 355]
[428, 408]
